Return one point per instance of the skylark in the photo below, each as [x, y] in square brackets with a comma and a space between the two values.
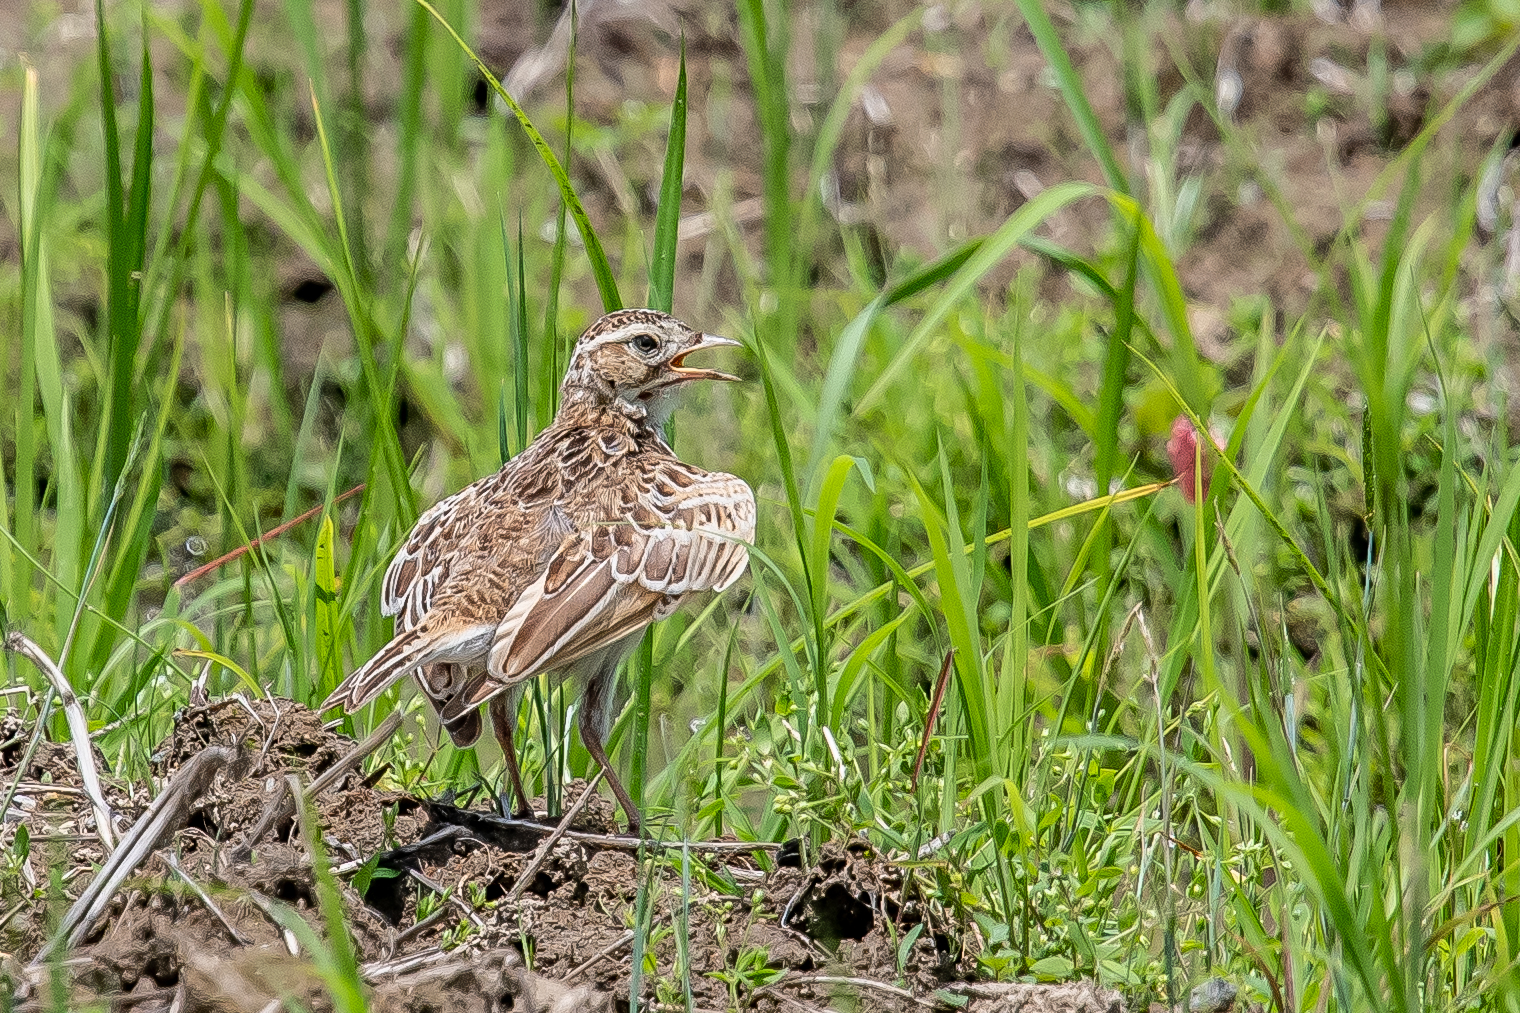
[557, 562]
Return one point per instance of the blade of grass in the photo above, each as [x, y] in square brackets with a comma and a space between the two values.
[126, 229]
[325, 602]
[36, 333]
[517, 331]
[992, 250]
[601, 270]
[366, 331]
[958, 603]
[334, 957]
[817, 562]
[1073, 91]
[847, 346]
[662, 265]
[559, 348]
[764, 40]
[410, 143]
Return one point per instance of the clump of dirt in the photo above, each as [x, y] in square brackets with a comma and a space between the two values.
[48, 825]
[445, 906]
[286, 738]
[286, 735]
[791, 925]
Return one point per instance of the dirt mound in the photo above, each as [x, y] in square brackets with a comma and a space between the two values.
[458, 908]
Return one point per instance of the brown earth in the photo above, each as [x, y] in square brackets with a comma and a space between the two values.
[200, 927]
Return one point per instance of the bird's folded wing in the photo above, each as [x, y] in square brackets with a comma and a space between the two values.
[689, 533]
[421, 565]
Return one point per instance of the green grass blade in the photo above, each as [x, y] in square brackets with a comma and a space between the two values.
[992, 250]
[517, 333]
[1115, 369]
[1072, 90]
[847, 346]
[855, 664]
[325, 603]
[1010, 691]
[559, 348]
[36, 331]
[601, 270]
[342, 266]
[410, 143]
[764, 39]
[1163, 278]
[817, 563]
[958, 605]
[126, 227]
[662, 265]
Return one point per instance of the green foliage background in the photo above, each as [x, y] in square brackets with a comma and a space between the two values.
[1269, 733]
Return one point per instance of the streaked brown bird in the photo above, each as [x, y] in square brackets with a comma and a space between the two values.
[557, 562]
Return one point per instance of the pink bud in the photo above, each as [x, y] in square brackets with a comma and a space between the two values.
[1184, 450]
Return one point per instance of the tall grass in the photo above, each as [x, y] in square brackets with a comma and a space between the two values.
[1174, 738]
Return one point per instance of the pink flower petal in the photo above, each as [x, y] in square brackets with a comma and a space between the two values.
[1184, 450]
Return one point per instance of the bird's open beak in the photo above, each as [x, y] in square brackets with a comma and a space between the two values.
[708, 341]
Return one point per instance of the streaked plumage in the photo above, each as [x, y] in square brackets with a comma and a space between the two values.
[557, 562]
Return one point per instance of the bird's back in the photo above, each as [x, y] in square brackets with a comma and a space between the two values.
[475, 552]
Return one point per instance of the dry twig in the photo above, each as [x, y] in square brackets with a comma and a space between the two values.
[205, 899]
[272, 533]
[613, 947]
[542, 854]
[836, 979]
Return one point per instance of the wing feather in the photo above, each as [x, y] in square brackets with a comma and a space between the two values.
[434, 641]
[420, 564]
[611, 580]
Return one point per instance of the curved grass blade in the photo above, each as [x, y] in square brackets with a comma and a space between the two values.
[847, 349]
[992, 250]
[667, 223]
[242, 673]
[606, 284]
[1183, 353]
[126, 230]
[764, 41]
[1073, 92]
[517, 337]
[958, 604]
[558, 349]
[856, 662]
[817, 563]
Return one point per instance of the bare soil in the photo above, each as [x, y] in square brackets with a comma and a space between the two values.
[441, 924]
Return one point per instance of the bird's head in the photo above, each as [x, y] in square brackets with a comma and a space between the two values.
[635, 360]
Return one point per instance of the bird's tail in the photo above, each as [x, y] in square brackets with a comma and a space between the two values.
[407, 651]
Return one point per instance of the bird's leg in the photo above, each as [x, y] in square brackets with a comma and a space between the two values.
[503, 723]
[596, 713]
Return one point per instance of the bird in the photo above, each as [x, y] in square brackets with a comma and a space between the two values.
[560, 560]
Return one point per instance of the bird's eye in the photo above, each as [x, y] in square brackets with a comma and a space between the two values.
[645, 344]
